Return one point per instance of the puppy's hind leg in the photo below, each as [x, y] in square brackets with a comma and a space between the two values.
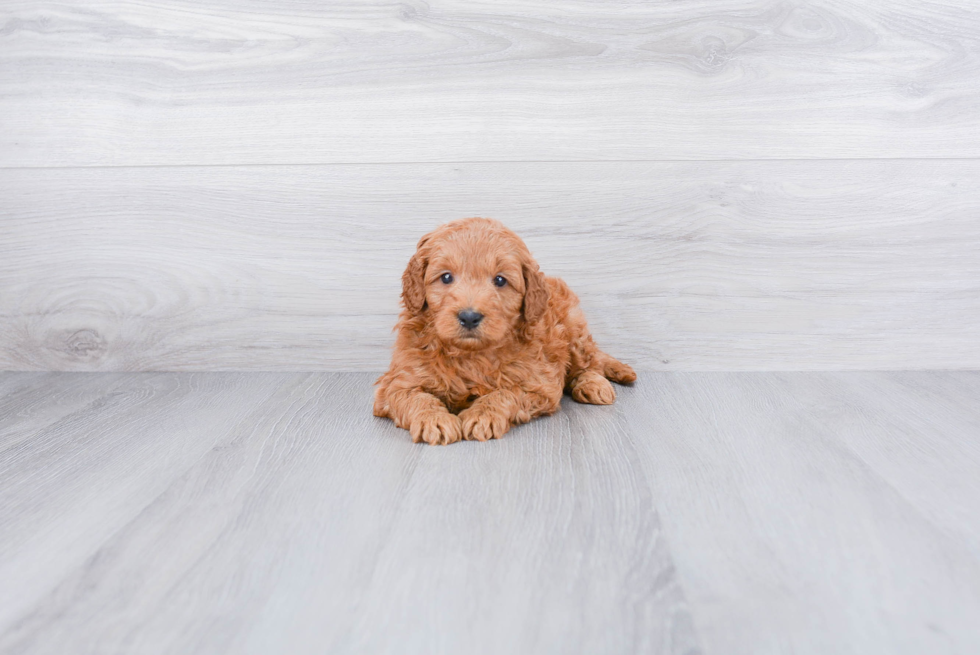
[613, 369]
[592, 388]
[590, 369]
[592, 385]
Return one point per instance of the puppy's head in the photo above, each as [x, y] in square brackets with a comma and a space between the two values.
[474, 281]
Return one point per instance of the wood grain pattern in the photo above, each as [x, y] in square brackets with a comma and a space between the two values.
[183, 82]
[819, 513]
[685, 266]
[261, 512]
[29, 403]
[507, 539]
[70, 486]
[305, 525]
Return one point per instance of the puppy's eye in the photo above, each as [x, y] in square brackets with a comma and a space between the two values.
[499, 281]
[446, 278]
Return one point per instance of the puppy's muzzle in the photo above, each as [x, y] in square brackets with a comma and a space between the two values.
[469, 318]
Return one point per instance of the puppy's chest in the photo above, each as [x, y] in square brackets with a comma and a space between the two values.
[463, 391]
[468, 380]
[457, 403]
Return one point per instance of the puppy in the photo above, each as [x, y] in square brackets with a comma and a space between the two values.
[486, 340]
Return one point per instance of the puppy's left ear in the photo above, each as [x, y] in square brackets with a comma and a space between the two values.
[536, 294]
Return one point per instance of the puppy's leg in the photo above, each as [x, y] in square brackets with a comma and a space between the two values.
[423, 415]
[590, 372]
[613, 369]
[491, 416]
[591, 387]
[586, 356]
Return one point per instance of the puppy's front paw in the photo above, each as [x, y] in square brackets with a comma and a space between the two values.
[592, 388]
[482, 423]
[437, 428]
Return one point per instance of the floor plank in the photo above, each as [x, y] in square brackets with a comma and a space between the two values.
[261, 512]
[919, 432]
[679, 266]
[310, 526]
[181, 82]
[66, 490]
[818, 513]
[30, 402]
[543, 542]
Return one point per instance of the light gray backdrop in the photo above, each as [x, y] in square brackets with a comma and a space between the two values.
[727, 185]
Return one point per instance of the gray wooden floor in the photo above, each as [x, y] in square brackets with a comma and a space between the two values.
[704, 512]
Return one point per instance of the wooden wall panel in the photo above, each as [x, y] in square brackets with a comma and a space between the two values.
[696, 265]
[289, 82]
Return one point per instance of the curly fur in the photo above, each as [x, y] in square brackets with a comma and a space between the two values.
[448, 383]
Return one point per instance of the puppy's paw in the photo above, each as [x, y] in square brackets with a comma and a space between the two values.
[593, 389]
[482, 423]
[620, 372]
[436, 428]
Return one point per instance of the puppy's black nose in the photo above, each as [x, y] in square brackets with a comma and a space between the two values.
[469, 319]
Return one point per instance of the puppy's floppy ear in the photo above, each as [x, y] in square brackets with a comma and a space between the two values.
[413, 280]
[536, 294]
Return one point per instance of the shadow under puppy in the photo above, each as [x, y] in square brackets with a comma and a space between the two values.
[486, 340]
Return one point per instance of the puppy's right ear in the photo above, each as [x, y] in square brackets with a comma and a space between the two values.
[413, 282]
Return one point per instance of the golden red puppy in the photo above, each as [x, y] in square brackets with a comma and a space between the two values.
[486, 340]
